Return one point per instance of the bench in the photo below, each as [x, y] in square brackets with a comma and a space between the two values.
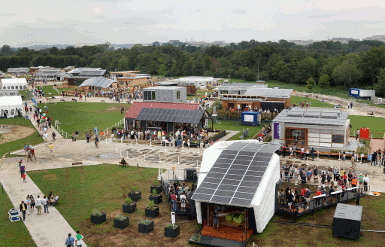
[123, 164]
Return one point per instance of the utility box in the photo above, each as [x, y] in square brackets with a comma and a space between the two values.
[252, 118]
[364, 133]
[347, 221]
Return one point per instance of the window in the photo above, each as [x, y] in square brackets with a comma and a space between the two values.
[337, 138]
[153, 95]
[224, 92]
[177, 94]
[12, 111]
[147, 95]
[12, 88]
[17, 87]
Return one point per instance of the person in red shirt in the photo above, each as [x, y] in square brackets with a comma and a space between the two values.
[318, 193]
[24, 178]
[303, 190]
[345, 178]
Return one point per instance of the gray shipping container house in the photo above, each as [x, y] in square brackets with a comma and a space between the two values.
[165, 94]
[347, 221]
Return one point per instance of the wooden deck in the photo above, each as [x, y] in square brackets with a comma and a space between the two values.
[227, 232]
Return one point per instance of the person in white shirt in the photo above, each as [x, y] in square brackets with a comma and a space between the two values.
[38, 203]
[366, 182]
[183, 201]
[45, 204]
[79, 239]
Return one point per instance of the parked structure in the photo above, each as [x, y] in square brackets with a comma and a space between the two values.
[11, 106]
[312, 127]
[256, 98]
[239, 180]
[165, 94]
[362, 93]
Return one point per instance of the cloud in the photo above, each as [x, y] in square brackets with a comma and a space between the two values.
[8, 14]
[239, 11]
[139, 21]
[322, 16]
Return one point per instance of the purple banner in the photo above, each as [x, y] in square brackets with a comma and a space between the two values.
[276, 130]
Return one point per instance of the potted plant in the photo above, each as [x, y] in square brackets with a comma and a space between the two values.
[151, 211]
[134, 194]
[158, 188]
[157, 198]
[146, 226]
[121, 221]
[98, 217]
[129, 206]
[171, 230]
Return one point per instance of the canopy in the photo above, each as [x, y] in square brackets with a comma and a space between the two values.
[17, 83]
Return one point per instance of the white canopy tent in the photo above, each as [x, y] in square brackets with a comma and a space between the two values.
[241, 174]
[10, 106]
[12, 84]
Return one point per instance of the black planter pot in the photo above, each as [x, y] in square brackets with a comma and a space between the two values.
[121, 224]
[157, 199]
[129, 208]
[146, 228]
[171, 233]
[158, 189]
[135, 196]
[152, 213]
[98, 219]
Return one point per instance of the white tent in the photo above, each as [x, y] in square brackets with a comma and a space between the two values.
[17, 83]
[10, 106]
[242, 174]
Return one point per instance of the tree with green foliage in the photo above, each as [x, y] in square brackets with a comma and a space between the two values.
[380, 85]
[347, 73]
[324, 82]
[310, 83]
[123, 64]
[162, 69]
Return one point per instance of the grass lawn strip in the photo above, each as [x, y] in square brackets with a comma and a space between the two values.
[12, 233]
[237, 126]
[105, 188]
[85, 116]
[376, 125]
[33, 139]
[314, 103]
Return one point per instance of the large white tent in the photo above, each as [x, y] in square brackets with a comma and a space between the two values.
[14, 83]
[242, 174]
[10, 106]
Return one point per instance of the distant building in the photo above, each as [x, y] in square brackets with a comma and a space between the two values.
[238, 88]
[18, 70]
[2, 74]
[376, 37]
[344, 40]
[79, 75]
[200, 82]
[51, 75]
[165, 94]
[130, 78]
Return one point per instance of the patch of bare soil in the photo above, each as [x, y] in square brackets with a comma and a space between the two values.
[17, 132]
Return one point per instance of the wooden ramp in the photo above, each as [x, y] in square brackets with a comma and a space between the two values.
[376, 144]
[227, 232]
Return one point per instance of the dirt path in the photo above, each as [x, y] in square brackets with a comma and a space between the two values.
[360, 109]
[16, 132]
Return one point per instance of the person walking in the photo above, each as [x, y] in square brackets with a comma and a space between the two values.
[312, 154]
[32, 203]
[38, 205]
[366, 182]
[45, 205]
[24, 176]
[28, 204]
[23, 209]
[69, 241]
[22, 169]
[51, 148]
[79, 239]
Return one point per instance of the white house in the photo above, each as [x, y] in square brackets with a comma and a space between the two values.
[10, 106]
[239, 177]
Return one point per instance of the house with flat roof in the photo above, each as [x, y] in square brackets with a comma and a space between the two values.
[312, 127]
[130, 78]
[165, 94]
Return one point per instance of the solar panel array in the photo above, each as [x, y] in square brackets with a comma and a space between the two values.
[319, 116]
[92, 72]
[235, 176]
[170, 115]
[269, 92]
[97, 82]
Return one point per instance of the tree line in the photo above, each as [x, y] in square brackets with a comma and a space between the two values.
[357, 64]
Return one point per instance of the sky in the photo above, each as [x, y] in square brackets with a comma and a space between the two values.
[26, 23]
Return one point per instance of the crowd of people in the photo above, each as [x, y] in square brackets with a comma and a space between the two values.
[28, 206]
[179, 194]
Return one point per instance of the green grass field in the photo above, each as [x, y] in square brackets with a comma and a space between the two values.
[33, 139]
[314, 103]
[236, 125]
[84, 117]
[375, 124]
[105, 187]
[12, 233]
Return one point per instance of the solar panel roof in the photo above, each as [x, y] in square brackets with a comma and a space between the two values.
[170, 115]
[319, 116]
[97, 82]
[236, 174]
[269, 92]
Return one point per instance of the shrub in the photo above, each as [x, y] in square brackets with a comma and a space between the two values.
[135, 189]
[169, 225]
[120, 217]
[97, 212]
[229, 217]
[196, 237]
[151, 204]
[145, 222]
[128, 201]
[154, 193]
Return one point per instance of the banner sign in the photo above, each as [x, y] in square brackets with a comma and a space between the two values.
[276, 130]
